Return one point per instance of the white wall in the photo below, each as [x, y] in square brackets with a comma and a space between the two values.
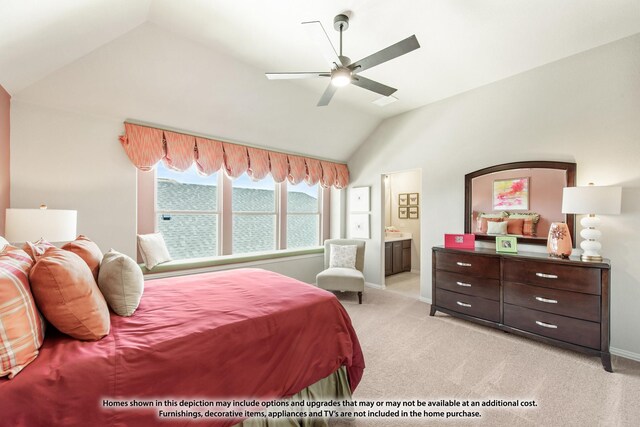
[584, 108]
[73, 161]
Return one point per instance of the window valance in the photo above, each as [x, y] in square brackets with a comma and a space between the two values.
[146, 146]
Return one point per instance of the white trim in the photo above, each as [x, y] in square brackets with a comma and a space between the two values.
[248, 264]
[425, 299]
[625, 353]
[374, 285]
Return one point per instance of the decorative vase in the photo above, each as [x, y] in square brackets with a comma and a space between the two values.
[559, 240]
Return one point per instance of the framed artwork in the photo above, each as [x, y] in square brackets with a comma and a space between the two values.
[359, 199]
[403, 199]
[359, 226]
[414, 199]
[403, 212]
[508, 244]
[511, 194]
[414, 212]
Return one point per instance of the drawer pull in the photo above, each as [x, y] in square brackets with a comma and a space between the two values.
[463, 264]
[466, 285]
[548, 301]
[547, 276]
[464, 304]
[546, 325]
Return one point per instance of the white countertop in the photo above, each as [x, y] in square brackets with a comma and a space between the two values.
[396, 237]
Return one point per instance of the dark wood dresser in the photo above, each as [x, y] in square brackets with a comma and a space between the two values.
[557, 301]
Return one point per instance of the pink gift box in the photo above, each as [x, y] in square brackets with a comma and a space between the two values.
[460, 241]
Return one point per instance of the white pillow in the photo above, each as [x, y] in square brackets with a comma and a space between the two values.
[497, 227]
[3, 243]
[153, 249]
[121, 282]
[342, 256]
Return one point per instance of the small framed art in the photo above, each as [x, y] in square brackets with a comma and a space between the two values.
[414, 199]
[414, 212]
[403, 199]
[507, 244]
[403, 212]
[359, 199]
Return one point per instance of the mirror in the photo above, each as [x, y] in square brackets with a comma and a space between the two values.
[527, 196]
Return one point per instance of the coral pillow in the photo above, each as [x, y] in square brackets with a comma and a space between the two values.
[88, 251]
[514, 226]
[21, 326]
[68, 296]
[121, 282]
[36, 249]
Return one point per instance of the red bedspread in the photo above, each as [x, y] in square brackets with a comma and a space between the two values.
[242, 333]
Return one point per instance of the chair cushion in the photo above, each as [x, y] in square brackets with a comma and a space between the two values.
[341, 279]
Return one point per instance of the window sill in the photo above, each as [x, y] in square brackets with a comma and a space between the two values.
[201, 263]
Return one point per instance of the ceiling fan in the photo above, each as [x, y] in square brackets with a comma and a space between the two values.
[343, 72]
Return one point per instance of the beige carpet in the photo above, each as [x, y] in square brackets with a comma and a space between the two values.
[410, 355]
[407, 284]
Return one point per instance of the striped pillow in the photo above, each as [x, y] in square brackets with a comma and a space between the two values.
[21, 325]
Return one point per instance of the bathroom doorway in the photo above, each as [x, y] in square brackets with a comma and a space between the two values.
[401, 246]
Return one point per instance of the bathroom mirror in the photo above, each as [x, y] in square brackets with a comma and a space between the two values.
[521, 199]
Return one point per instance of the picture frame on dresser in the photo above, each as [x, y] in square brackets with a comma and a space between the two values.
[562, 302]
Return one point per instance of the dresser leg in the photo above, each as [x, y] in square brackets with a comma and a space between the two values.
[433, 311]
[606, 362]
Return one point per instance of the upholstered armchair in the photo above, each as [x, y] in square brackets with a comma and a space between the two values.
[344, 279]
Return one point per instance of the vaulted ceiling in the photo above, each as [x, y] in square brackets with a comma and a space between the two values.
[199, 64]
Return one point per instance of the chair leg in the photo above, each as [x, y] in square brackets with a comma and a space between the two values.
[359, 297]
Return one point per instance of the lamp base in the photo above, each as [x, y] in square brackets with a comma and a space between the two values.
[591, 258]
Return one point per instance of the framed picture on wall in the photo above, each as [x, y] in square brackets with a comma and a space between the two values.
[414, 199]
[511, 194]
[403, 199]
[359, 226]
[414, 212]
[403, 212]
[359, 199]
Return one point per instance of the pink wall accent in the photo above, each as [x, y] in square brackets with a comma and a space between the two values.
[5, 105]
[545, 194]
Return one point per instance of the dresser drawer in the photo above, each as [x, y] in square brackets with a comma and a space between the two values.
[475, 265]
[468, 285]
[566, 303]
[470, 305]
[575, 331]
[550, 275]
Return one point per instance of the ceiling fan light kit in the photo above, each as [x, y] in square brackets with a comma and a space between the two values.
[343, 72]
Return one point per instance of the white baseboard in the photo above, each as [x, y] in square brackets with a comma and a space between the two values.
[424, 299]
[374, 285]
[624, 353]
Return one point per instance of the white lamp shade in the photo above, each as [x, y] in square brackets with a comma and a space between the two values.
[592, 200]
[29, 225]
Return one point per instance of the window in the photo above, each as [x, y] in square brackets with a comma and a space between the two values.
[303, 215]
[254, 215]
[187, 212]
[210, 216]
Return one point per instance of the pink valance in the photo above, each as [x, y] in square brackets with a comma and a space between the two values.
[146, 146]
[180, 151]
[143, 145]
[279, 166]
[258, 163]
[236, 161]
[297, 169]
[209, 156]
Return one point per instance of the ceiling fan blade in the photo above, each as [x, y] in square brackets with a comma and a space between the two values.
[321, 39]
[386, 54]
[373, 86]
[296, 75]
[327, 95]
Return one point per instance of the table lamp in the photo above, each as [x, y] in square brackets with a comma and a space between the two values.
[29, 225]
[591, 200]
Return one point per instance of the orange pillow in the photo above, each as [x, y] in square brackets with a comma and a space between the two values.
[529, 227]
[514, 226]
[88, 251]
[68, 296]
[21, 326]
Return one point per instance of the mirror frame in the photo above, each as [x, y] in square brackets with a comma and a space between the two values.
[569, 168]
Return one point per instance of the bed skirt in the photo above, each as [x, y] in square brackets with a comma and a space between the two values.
[333, 387]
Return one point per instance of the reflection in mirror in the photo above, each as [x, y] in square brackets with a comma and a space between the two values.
[519, 199]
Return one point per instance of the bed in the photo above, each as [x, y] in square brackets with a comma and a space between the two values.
[244, 333]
